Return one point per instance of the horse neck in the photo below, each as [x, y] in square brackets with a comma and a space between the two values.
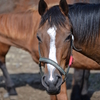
[18, 29]
[91, 50]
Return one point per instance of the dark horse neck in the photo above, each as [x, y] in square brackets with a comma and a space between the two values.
[85, 20]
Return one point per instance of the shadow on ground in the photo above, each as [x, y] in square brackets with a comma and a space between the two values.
[34, 80]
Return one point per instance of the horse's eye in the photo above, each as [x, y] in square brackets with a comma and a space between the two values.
[68, 38]
[39, 39]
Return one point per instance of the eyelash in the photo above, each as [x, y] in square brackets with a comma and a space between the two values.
[39, 39]
[67, 39]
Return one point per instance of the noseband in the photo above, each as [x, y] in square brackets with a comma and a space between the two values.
[59, 68]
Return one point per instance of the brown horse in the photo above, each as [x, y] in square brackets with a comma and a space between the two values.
[55, 31]
[22, 33]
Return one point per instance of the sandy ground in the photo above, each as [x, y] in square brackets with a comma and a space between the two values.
[25, 74]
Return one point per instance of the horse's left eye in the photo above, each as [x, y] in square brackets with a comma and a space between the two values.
[68, 38]
[39, 39]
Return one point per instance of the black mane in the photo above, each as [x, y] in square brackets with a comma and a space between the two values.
[84, 17]
[54, 17]
[85, 20]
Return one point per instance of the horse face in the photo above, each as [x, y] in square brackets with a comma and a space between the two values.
[54, 41]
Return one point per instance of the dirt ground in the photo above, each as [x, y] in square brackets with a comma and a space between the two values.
[25, 74]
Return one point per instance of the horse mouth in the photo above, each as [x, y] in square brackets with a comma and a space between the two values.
[53, 91]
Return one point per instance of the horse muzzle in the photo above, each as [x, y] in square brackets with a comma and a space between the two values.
[52, 86]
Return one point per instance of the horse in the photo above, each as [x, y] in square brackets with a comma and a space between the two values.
[56, 31]
[16, 33]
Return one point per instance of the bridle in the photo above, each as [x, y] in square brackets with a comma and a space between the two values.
[49, 61]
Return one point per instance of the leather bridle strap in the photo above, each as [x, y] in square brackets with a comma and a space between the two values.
[49, 61]
[46, 60]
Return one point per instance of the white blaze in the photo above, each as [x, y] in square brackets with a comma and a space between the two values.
[52, 52]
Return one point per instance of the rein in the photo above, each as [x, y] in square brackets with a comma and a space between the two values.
[59, 68]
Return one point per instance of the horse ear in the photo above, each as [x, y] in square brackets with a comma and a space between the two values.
[64, 6]
[42, 7]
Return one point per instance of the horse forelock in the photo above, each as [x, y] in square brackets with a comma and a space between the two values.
[54, 16]
[85, 20]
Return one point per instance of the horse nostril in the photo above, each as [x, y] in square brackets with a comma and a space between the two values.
[59, 81]
[44, 83]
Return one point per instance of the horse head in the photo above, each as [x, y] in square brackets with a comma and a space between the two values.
[54, 36]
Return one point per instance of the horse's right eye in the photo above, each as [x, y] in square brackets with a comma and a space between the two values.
[39, 39]
[68, 38]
